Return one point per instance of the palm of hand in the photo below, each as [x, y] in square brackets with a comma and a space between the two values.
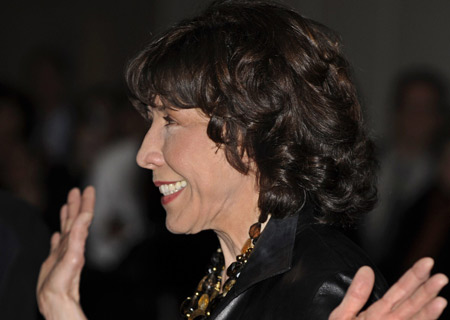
[59, 278]
[414, 296]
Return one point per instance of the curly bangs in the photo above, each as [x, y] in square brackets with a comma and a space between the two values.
[277, 88]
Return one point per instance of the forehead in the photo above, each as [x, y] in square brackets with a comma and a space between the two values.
[162, 104]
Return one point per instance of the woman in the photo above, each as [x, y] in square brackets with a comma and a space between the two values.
[256, 133]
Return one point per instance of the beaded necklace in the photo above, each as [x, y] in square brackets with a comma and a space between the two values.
[208, 295]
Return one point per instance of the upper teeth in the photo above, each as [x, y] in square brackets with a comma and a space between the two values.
[170, 188]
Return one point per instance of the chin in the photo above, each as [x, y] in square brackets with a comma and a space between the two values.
[177, 227]
[173, 228]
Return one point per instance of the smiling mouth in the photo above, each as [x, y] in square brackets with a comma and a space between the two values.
[171, 188]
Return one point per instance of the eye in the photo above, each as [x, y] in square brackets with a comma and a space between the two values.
[169, 120]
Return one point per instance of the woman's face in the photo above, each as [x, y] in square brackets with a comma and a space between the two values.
[200, 189]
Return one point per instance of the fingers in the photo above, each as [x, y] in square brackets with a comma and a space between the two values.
[80, 223]
[88, 200]
[357, 295]
[63, 218]
[408, 283]
[76, 203]
[421, 298]
[54, 241]
[79, 232]
[432, 310]
[73, 208]
[76, 248]
[60, 273]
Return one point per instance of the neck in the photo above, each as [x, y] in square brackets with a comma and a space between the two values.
[233, 243]
[233, 224]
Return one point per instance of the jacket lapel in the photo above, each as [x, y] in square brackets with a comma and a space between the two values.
[271, 256]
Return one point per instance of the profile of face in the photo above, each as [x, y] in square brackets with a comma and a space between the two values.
[200, 189]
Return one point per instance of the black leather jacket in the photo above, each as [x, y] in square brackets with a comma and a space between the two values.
[299, 269]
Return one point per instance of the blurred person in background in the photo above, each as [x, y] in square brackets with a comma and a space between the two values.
[94, 129]
[23, 246]
[47, 83]
[408, 164]
[425, 227]
[23, 234]
[121, 222]
[21, 168]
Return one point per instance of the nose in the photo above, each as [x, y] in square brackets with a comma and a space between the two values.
[150, 155]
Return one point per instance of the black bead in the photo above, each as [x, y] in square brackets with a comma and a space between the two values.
[213, 304]
[186, 306]
[217, 260]
[234, 268]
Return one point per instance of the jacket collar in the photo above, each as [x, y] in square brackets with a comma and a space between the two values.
[273, 252]
[271, 256]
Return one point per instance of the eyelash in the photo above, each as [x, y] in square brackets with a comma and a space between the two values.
[169, 120]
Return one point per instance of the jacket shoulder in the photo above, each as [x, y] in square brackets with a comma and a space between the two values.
[327, 261]
[328, 249]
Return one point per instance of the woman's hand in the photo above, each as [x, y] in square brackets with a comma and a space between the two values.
[59, 279]
[414, 296]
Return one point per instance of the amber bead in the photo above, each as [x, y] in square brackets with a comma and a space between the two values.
[248, 244]
[203, 302]
[208, 295]
[228, 285]
[215, 293]
[209, 283]
[255, 230]
[200, 284]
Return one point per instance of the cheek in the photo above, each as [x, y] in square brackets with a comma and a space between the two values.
[189, 155]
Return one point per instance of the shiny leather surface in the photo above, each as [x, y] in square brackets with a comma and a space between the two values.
[299, 269]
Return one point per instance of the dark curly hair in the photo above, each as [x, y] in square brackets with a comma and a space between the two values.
[277, 90]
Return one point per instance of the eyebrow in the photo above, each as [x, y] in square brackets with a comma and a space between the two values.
[164, 104]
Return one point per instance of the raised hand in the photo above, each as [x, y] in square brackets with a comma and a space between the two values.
[414, 296]
[59, 278]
